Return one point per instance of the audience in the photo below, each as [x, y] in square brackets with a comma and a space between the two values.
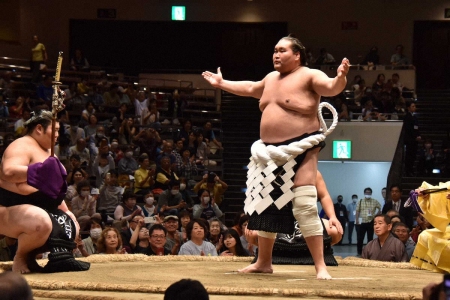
[110, 242]
[196, 244]
[128, 209]
[402, 233]
[213, 184]
[207, 207]
[232, 244]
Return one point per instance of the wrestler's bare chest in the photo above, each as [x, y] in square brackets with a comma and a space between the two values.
[289, 109]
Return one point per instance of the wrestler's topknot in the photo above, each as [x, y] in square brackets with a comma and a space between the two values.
[297, 46]
[37, 116]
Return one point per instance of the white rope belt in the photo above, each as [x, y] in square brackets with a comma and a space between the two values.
[266, 159]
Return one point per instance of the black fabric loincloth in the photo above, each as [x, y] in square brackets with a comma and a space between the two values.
[281, 220]
[38, 199]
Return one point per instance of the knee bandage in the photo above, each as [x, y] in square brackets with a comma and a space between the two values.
[265, 234]
[305, 210]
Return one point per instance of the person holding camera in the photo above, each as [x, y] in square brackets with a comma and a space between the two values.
[214, 185]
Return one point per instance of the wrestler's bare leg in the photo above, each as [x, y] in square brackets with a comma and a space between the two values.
[306, 175]
[29, 224]
[264, 262]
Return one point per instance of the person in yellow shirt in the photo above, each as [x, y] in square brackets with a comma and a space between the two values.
[38, 58]
[143, 177]
[214, 185]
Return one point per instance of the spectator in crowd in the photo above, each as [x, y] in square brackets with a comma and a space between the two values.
[402, 232]
[310, 60]
[128, 209]
[111, 98]
[196, 244]
[127, 131]
[89, 244]
[378, 85]
[86, 118]
[38, 59]
[14, 286]
[212, 183]
[149, 208]
[157, 240]
[148, 141]
[8, 248]
[164, 175]
[237, 218]
[398, 205]
[174, 238]
[110, 194]
[351, 84]
[77, 176]
[94, 94]
[215, 235]
[129, 226]
[150, 116]
[360, 91]
[96, 140]
[325, 58]
[210, 137]
[170, 201]
[19, 128]
[207, 207]
[372, 58]
[102, 165]
[187, 166]
[82, 151]
[6, 84]
[45, 92]
[398, 58]
[186, 289]
[121, 114]
[185, 194]
[184, 132]
[123, 96]
[351, 209]
[110, 242]
[85, 204]
[202, 153]
[427, 159]
[127, 166]
[140, 103]
[399, 103]
[396, 82]
[185, 218]
[366, 209]
[79, 62]
[341, 214]
[341, 108]
[144, 176]
[91, 128]
[167, 149]
[4, 110]
[192, 142]
[131, 92]
[178, 152]
[411, 137]
[385, 247]
[76, 132]
[16, 110]
[75, 163]
[422, 225]
[232, 244]
[140, 239]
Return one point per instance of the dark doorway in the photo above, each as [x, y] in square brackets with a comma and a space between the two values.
[431, 54]
[242, 50]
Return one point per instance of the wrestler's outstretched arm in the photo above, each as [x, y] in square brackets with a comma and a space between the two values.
[326, 86]
[241, 88]
[327, 202]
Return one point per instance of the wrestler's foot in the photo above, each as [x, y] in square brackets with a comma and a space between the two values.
[20, 265]
[322, 274]
[256, 268]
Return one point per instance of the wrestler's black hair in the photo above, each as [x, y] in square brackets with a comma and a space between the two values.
[42, 117]
[186, 289]
[297, 47]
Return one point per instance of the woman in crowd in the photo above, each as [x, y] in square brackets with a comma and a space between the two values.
[128, 208]
[207, 207]
[110, 242]
[89, 244]
[139, 241]
[184, 217]
[232, 244]
[87, 113]
[84, 205]
[72, 192]
[185, 132]
[215, 233]
[196, 230]
[150, 207]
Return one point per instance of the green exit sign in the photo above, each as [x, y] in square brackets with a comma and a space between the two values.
[178, 13]
[342, 149]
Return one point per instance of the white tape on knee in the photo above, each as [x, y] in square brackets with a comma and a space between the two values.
[265, 234]
[304, 207]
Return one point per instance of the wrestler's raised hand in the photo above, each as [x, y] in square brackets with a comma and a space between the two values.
[213, 79]
[343, 68]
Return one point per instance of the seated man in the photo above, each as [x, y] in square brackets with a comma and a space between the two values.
[157, 238]
[173, 237]
[126, 233]
[402, 233]
[32, 189]
[386, 247]
[170, 201]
